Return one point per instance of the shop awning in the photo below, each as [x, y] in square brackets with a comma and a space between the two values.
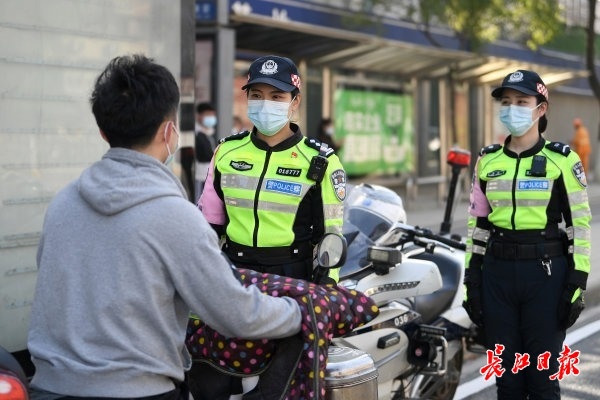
[321, 46]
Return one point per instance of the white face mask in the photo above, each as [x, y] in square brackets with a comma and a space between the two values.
[268, 116]
[517, 119]
[171, 155]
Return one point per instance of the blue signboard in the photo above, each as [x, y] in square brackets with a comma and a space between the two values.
[206, 10]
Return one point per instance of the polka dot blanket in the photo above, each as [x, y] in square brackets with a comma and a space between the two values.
[327, 312]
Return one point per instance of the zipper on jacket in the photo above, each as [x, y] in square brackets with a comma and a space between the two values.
[257, 195]
[514, 194]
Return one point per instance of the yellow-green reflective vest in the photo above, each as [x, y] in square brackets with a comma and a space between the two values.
[269, 200]
[525, 194]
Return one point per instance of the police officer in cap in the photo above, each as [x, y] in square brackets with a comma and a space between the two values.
[525, 277]
[272, 193]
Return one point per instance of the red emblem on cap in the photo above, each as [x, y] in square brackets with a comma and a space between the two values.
[542, 90]
[295, 80]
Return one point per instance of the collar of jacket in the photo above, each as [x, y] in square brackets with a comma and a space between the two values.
[527, 153]
[286, 144]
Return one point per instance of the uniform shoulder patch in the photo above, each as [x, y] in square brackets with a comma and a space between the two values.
[579, 173]
[559, 147]
[492, 148]
[338, 180]
[235, 136]
[316, 144]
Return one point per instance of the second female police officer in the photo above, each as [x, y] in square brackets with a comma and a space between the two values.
[525, 276]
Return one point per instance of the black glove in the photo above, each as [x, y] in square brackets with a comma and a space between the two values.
[472, 302]
[321, 277]
[569, 307]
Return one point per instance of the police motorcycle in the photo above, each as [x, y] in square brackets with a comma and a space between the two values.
[415, 277]
[13, 382]
[414, 348]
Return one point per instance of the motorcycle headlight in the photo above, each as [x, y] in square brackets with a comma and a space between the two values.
[385, 255]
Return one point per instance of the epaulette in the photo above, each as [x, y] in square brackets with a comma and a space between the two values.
[316, 144]
[492, 148]
[235, 136]
[559, 147]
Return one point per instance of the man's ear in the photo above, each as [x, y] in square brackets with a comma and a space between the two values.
[103, 136]
[164, 133]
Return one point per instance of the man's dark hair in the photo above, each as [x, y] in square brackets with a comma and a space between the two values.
[202, 107]
[131, 98]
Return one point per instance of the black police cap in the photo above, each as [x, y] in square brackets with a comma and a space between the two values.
[280, 72]
[524, 81]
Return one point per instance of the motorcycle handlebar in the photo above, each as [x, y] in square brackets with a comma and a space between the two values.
[415, 231]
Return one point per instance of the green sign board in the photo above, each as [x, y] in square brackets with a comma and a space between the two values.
[377, 131]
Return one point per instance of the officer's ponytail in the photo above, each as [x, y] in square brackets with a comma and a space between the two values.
[543, 122]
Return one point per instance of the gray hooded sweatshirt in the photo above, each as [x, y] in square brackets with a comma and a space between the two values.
[124, 257]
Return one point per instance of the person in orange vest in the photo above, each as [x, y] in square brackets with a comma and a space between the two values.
[581, 143]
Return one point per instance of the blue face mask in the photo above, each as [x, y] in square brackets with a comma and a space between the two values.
[210, 121]
[517, 119]
[268, 116]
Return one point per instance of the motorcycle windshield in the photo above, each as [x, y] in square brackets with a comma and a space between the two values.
[358, 243]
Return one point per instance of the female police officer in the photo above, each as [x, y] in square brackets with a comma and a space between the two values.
[525, 277]
[272, 192]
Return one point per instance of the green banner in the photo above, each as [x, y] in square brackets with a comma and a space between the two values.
[377, 131]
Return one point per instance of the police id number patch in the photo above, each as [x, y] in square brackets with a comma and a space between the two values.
[338, 180]
[579, 173]
[274, 185]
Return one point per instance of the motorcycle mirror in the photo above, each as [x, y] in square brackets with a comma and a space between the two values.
[332, 250]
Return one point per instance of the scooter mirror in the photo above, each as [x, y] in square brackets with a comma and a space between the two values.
[331, 250]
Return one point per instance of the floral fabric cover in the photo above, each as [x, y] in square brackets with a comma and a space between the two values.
[327, 312]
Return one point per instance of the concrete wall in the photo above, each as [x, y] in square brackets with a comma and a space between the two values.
[50, 54]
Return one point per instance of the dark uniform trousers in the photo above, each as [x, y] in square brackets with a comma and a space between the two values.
[520, 303]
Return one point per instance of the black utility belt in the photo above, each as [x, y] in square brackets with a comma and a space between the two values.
[518, 251]
[268, 255]
[550, 232]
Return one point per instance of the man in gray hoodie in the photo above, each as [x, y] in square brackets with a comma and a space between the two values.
[124, 257]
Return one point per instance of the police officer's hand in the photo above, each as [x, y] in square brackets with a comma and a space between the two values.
[321, 277]
[472, 302]
[570, 305]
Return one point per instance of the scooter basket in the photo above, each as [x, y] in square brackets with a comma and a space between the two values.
[350, 375]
